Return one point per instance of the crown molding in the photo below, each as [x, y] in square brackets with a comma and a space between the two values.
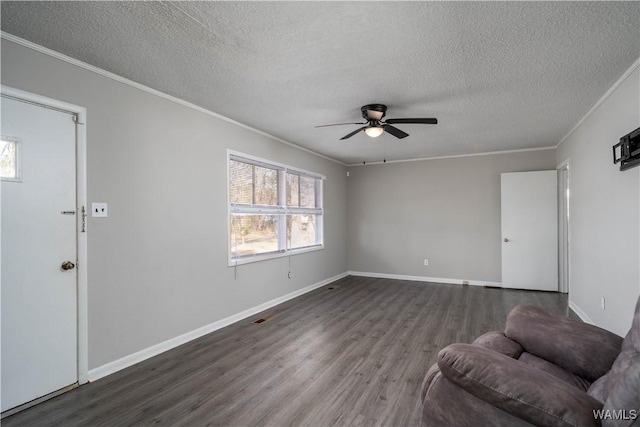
[112, 76]
[607, 94]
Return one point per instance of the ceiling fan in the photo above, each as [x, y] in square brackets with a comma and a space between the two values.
[373, 114]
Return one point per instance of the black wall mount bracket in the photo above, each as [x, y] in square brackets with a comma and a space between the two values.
[627, 151]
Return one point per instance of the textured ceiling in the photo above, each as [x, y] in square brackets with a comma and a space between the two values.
[497, 75]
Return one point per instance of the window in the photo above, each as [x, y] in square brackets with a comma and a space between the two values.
[9, 159]
[274, 210]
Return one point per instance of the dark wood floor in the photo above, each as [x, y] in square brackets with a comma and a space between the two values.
[352, 355]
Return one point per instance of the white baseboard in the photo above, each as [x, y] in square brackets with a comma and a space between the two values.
[425, 279]
[581, 314]
[139, 356]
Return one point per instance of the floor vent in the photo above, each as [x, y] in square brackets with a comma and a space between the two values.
[264, 318]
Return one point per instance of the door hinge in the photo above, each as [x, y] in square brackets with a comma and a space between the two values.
[74, 117]
[84, 220]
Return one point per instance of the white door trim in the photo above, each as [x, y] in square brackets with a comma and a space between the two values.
[81, 197]
[565, 245]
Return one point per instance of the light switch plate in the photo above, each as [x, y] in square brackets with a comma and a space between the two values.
[99, 210]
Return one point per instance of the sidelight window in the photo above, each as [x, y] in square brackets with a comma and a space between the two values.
[9, 159]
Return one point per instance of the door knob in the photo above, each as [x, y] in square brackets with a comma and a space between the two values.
[506, 240]
[68, 265]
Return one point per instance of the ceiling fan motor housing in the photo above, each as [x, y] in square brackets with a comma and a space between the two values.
[373, 112]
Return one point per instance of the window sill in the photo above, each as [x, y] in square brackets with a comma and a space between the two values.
[272, 255]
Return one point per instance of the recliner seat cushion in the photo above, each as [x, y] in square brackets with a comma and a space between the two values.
[555, 370]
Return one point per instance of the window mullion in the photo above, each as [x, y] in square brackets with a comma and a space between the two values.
[282, 218]
[318, 194]
[320, 216]
[256, 210]
[253, 184]
[299, 190]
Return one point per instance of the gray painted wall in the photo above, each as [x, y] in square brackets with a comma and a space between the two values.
[153, 277]
[446, 210]
[158, 264]
[605, 209]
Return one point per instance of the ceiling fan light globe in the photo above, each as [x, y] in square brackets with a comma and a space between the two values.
[374, 131]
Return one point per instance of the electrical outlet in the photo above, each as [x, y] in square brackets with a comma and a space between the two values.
[289, 275]
[99, 210]
[602, 303]
[426, 261]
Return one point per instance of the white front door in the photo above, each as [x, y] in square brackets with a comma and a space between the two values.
[530, 230]
[39, 296]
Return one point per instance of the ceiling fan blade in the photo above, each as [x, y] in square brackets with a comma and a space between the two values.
[352, 133]
[338, 124]
[395, 131]
[430, 121]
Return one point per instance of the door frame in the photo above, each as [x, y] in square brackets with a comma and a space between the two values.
[81, 201]
[564, 240]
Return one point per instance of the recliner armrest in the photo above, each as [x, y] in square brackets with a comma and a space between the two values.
[585, 350]
[514, 387]
[497, 341]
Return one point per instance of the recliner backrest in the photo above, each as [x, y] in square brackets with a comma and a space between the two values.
[621, 386]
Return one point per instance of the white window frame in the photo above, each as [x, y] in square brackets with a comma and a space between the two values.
[281, 209]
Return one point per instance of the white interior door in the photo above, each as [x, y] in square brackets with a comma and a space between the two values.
[530, 230]
[39, 297]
